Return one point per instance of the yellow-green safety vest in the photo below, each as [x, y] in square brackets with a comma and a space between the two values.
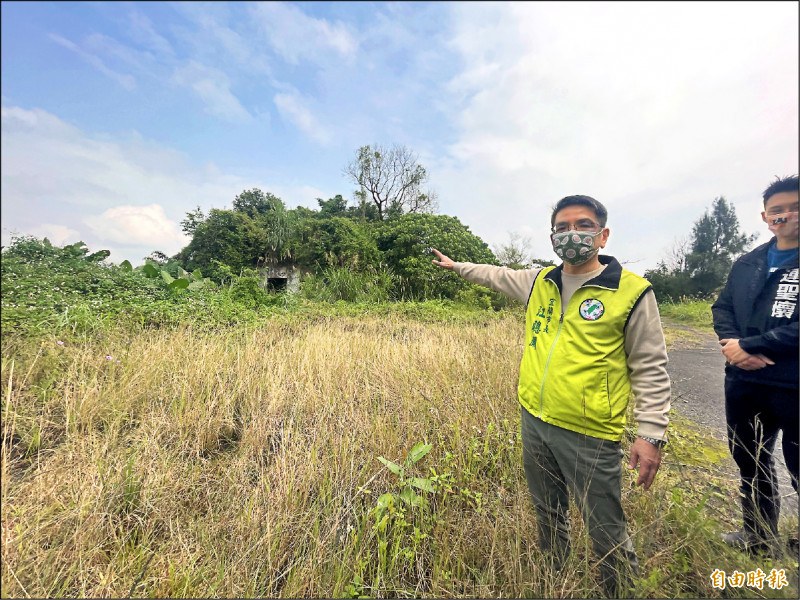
[574, 371]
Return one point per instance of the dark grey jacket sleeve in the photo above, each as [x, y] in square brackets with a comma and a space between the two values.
[775, 342]
[723, 314]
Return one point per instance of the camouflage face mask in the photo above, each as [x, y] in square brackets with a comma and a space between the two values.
[575, 247]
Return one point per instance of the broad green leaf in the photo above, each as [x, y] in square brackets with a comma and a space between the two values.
[386, 500]
[167, 277]
[417, 452]
[98, 256]
[393, 467]
[385, 503]
[196, 285]
[150, 270]
[422, 484]
[126, 266]
[197, 275]
[178, 284]
[383, 520]
[408, 496]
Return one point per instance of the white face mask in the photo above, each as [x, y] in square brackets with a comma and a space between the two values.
[575, 247]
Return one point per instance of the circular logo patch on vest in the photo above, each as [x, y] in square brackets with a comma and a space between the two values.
[592, 309]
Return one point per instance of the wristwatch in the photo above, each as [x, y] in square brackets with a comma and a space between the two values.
[657, 443]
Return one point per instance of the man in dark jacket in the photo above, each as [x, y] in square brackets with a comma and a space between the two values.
[755, 318]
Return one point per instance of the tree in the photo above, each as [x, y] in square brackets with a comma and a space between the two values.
[334, 207]
[257, 230]
[699, 264]
[716, 243]
[157, 257]
[192, 220]
[679, 253]
[670, 284]
[392, 179]
[516, 252]
[278, 226]
[406, 242]
[255, 202]
[366, 210]
[335, 242]
[227, 237]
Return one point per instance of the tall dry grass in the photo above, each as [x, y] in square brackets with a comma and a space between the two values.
[243, 462]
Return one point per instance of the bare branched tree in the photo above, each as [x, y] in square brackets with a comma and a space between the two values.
[676, 261]
[516, 252]
[392, 179]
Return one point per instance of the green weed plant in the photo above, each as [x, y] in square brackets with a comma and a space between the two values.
[689, 311]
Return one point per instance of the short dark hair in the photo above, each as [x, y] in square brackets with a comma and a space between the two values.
[786, 184]
[599, 210]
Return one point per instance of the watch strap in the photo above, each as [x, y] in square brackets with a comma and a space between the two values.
[657, 443]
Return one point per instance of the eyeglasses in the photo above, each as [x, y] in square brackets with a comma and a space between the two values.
[582, 225]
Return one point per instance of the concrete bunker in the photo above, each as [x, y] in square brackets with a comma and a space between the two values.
[280, 277]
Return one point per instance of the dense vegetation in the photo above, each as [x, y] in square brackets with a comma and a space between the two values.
[388, 251]
[48, 289]
[386, 243]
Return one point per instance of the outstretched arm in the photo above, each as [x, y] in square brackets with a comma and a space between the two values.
[516, 284]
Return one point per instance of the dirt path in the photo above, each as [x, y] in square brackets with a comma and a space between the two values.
[696, 368]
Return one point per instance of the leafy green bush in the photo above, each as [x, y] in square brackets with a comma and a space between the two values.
[406, 242]
[322, 241]
[690, 311]
[48, 289]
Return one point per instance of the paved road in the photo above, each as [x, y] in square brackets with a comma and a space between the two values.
[696, 371]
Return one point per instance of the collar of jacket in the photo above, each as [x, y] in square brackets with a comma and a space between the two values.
[758, 256]
[608, 278]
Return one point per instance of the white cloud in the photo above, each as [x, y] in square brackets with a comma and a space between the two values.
[108, 46]
[127, 196]
[142, 30]
[297, 36]
[52, 168]
[138, 226]
[126, 81]
[211, 20]
[212, 86]
[292, 107]
[59, 235]
[653, 108]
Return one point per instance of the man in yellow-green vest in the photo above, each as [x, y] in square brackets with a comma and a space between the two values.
[592, 335]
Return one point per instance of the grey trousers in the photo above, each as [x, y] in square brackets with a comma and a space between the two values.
[558, 461]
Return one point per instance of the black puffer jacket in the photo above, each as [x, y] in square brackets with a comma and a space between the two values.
[761, 311]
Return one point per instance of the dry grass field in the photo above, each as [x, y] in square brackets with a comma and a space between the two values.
[243, 462]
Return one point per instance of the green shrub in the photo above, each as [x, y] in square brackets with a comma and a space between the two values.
[691, 311]
[338, 283]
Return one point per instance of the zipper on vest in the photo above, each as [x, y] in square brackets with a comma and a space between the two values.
[547, 364]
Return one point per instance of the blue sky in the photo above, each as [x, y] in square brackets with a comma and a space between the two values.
[118, 118]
